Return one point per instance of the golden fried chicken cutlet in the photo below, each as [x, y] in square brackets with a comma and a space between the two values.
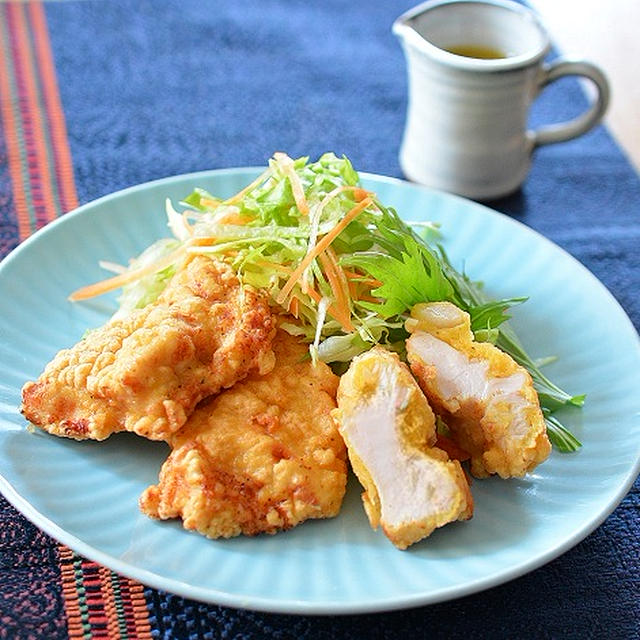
[260, 457]
[411, 487]
[484, 396]
[146, 372]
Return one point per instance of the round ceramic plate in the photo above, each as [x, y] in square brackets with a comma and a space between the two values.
[85, 493]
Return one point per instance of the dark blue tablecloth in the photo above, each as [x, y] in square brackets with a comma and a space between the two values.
[150, 89]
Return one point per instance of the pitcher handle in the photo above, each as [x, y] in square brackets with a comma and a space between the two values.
[581, 124]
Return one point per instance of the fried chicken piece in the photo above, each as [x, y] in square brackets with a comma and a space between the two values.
[484, 396]
[146, 372]
[411, 487]
[261, 457]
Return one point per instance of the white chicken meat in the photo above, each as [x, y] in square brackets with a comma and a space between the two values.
[486, 399]
[411, 487]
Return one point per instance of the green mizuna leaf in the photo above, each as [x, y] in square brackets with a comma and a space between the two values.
[265, 236]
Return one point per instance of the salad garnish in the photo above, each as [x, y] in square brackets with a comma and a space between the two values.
[344, 267]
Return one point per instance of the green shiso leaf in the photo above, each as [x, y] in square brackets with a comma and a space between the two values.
[405, 263]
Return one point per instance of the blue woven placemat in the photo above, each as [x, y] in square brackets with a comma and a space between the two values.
[153, 89]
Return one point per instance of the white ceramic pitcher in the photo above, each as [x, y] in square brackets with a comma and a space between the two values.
[466, 129]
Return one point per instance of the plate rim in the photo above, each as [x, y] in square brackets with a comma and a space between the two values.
[301, 606]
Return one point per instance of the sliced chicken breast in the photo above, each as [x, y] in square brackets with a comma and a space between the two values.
[484, 396]
[260, 457]
[411, 487]
[146, 372]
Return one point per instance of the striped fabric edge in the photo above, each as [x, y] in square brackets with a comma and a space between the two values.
[38, 155]
[98, 602]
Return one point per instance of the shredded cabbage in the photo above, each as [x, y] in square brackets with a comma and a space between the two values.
[345, 268]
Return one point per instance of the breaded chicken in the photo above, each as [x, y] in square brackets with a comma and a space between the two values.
[146, 372]
[484, 396]
[411, 487]
[261, 457]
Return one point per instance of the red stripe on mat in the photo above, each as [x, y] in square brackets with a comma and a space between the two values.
[63, 166]
[98, 602]
[33, 127]
[11, 128]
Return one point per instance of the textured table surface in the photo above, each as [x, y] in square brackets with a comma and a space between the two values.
[97, 96]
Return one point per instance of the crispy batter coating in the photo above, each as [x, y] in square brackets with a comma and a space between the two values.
[146, 372]
[484, 396]
[258, 458]
[411, 486]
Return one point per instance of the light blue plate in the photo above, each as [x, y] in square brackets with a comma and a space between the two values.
[85, 494]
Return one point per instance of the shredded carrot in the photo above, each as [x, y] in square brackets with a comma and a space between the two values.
[233, 217]
[338, 284]
[331, 309]
[98, 288]
[352, 288]
[201, 241]
[371, 283]
[364, 279]
[261, 178]
[286, 164]
[109, 284]
[358, 194]
[321, 246]
[208, 202]
[294, 306]
[354, 279]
